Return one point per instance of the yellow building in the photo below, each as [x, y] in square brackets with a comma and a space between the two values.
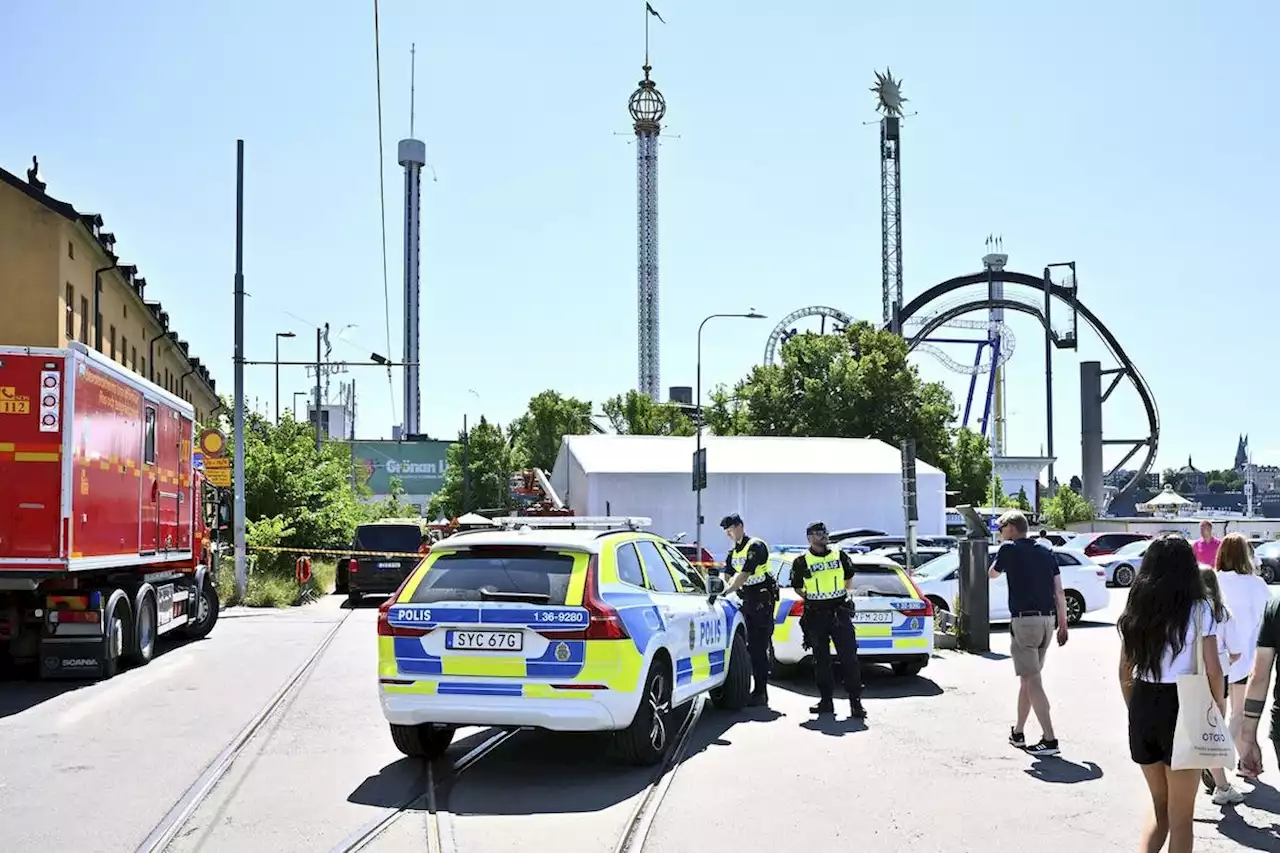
[51, 255]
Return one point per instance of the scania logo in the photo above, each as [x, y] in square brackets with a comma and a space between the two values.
[73, 662]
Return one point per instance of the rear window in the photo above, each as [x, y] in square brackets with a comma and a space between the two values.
[395, 538]
[530, 575]
[877, 580]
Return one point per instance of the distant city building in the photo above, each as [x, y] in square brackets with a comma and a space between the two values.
[1192, 479]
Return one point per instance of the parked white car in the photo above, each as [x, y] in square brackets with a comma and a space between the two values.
[1121, 567]
[1083, 581]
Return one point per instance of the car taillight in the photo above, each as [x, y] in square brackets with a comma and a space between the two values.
[385, 628]
[605, 622]
[926, 606]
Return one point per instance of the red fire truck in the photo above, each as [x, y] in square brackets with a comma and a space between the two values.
[104, 519]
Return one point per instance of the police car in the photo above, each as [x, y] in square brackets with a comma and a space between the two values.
[569, 624]
[893, 620]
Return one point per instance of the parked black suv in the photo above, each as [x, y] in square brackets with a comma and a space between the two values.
[376, 573]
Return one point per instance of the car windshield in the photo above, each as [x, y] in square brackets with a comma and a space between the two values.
[500, 574]
[1133, 549]
[940, 566]
[880, 581]
[392, 538]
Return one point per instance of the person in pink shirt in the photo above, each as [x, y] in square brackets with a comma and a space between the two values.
[1206, 547]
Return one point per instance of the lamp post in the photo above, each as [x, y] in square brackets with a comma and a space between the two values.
[699, 461]
[279, 335]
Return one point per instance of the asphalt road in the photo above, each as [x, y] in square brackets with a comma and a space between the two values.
[94, 768]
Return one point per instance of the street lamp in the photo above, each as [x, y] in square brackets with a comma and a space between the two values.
[279, 335]
[699, 457]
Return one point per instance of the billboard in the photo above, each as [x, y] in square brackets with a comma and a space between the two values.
[420, 465]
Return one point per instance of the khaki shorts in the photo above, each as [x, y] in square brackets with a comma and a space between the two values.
[1031, 638]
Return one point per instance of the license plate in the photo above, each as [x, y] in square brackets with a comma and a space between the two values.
[873, 618]
[388, 565]
[485, 641]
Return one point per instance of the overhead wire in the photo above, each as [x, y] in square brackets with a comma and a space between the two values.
[382, 203]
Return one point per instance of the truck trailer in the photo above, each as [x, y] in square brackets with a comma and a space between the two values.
[104, 516]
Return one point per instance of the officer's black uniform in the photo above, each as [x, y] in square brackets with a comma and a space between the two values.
[759, 595]
[819, 575]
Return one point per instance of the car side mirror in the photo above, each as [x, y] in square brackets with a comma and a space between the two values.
[715, 585]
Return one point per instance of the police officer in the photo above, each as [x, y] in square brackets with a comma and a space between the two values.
[824, 577]
[748, 563]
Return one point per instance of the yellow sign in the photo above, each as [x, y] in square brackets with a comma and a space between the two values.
[12, 404]
[212, 443]
[217, 463]
[220, 477]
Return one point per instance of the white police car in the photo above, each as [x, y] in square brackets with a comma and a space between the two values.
[892, 619]
[569, 624]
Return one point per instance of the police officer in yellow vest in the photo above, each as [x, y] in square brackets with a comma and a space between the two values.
[748, 563]
[824, 577]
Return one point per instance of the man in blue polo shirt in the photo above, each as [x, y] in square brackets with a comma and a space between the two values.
[1036, 603]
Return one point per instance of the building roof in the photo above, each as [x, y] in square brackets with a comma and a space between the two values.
[651, 454]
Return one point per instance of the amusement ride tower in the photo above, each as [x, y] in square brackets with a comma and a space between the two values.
[413, 156]
[647, 108]
[889, 104]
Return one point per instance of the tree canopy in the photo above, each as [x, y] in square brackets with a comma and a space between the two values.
[484, 481]
[1065, 507]
[857, 384]
[537, 433]
[968, 467]
[635, 413]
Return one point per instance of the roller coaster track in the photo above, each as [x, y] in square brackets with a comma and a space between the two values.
[1067, 296]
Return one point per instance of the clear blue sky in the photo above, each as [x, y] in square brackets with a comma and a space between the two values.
[1139, 143]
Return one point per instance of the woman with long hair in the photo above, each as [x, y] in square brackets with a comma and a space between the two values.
[1247, 596]
[1229, 643]
[1166, 612]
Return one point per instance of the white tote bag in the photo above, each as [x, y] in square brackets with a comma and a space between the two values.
[1200, 740]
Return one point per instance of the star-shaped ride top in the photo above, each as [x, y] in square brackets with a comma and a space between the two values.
[888, 94]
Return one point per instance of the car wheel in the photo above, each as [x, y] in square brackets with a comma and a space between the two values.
[1075, 607]
[907, 668]
[939, 604]
[645, 741]
[425, 741]
[1267, 572]
[1123, 575]
[736, 690]
[340, 582]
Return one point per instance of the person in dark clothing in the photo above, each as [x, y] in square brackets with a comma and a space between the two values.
[824, 577]
[747, 570]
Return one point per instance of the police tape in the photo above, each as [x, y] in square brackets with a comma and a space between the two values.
[330, 552]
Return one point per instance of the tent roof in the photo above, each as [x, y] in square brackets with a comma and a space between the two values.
[648, 454]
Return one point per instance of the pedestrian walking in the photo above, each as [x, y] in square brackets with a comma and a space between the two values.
[1268, 656]
[1043, 539]
[1166, 613]
[824, 578]
[748, 565]
[1036, 603]
[1229, 644]
[1247, 596]
[1206, 547]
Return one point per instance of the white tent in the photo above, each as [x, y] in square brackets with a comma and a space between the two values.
[778, 485]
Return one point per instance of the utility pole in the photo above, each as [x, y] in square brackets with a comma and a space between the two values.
[466, 468]
[242, 562]
[320, 333]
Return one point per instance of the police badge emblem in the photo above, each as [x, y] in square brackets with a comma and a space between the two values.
[563, 653]
[693, 637]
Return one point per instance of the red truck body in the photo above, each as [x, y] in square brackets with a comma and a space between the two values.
[98, 491]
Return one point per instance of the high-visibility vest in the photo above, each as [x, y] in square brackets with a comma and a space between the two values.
[739, 558]
[826, 576]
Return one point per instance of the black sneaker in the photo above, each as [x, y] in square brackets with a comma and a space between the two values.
[1044, 747]
[758, 700]
[826, 706]
[856, 711]
[1017, 738]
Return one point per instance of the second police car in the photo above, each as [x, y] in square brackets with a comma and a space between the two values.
[893, 621]
[568, 624]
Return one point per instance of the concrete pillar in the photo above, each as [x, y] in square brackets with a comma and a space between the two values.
[1091, 431]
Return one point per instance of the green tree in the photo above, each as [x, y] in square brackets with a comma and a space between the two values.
[489, 464]
[968, 467]
[635, 413]
[858, 384]
[392, 506]
[994, 496]
[1065, 507]
[1020, 500]
[538, 432]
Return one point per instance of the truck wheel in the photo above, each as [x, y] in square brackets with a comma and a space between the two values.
[203, 614]
[115, 630]
[142, 645]
[645, 741]
[424, 741]
[736, 690]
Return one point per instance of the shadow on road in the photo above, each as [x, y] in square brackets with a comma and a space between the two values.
[1060, 771]
[835, 726]
[403, 781]
[369, 602]
[21, 690]
[878, 682]
[1234, 826]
